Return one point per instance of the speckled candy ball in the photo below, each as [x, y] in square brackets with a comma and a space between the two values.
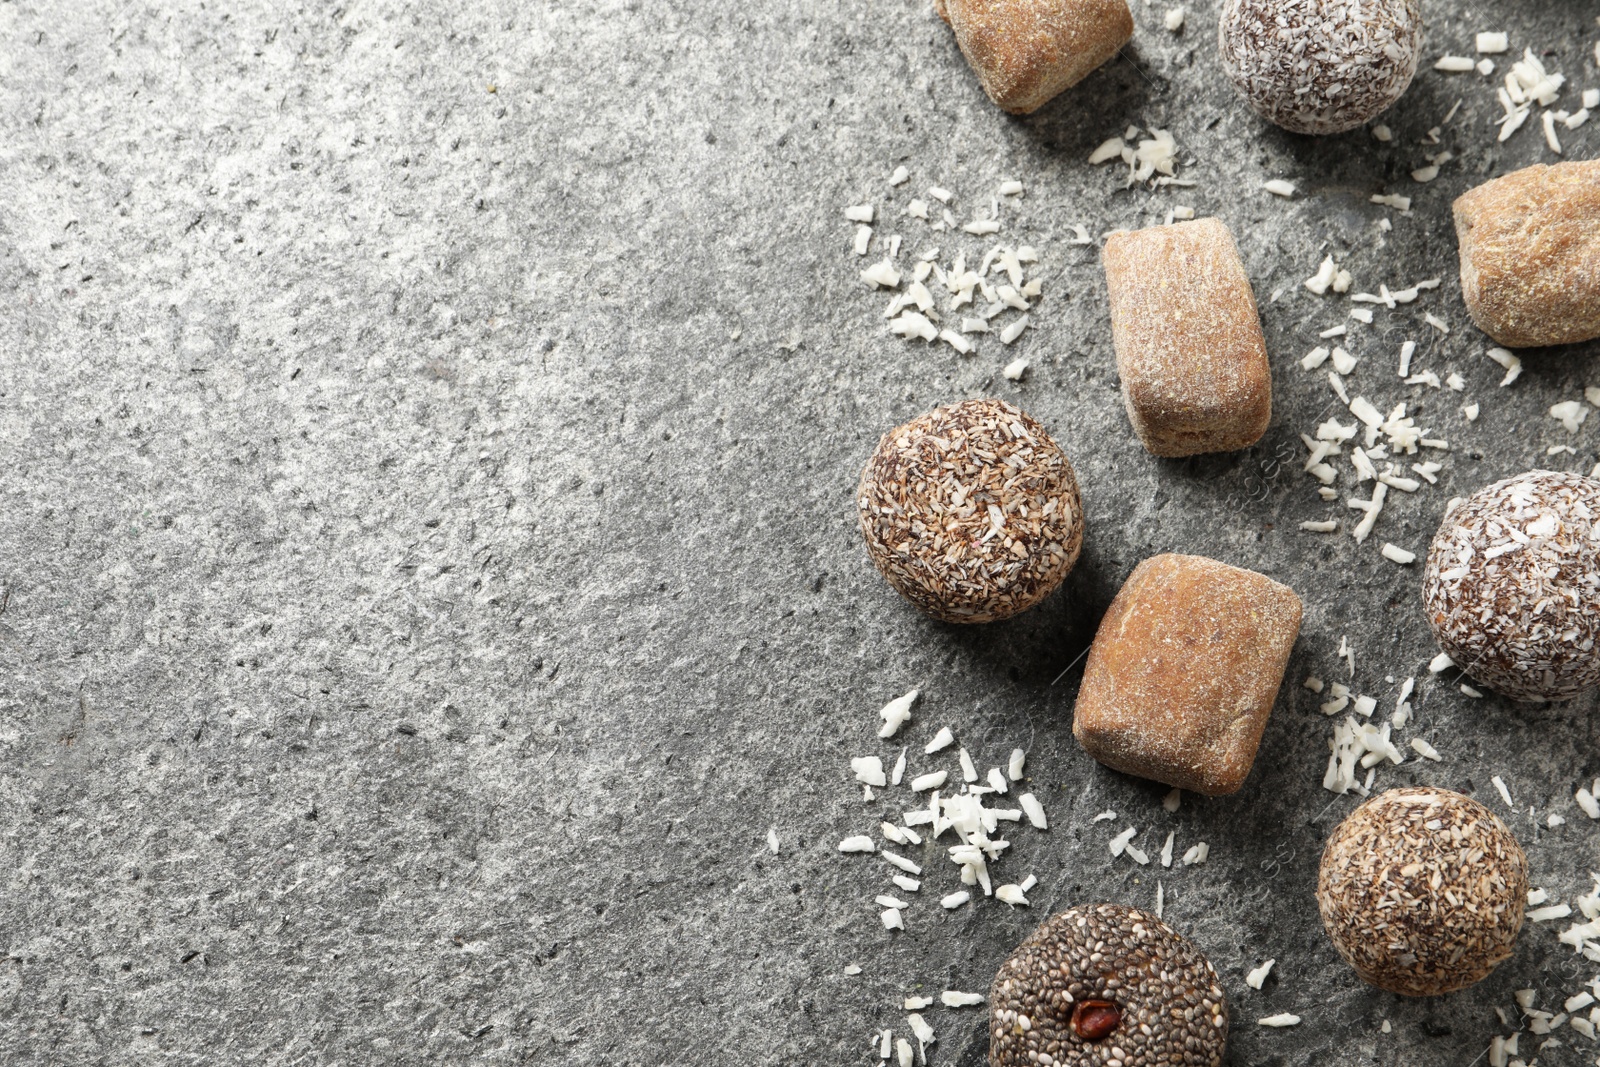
[1109, 986]
[971, 511]
[1320, 66]
[1422, 891]
[1512, 585]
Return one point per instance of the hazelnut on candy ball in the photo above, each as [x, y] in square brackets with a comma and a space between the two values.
[1106, 984]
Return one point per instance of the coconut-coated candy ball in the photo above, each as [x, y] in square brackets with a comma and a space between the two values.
[1320, 66]
[971, 511]
[1422, 891]
[1104, 985]
[1512, 585]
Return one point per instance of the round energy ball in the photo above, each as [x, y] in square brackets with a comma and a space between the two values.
[1422, 891]
[1106, 984]
[1512, 585]
[1320, 66]
[971, 511]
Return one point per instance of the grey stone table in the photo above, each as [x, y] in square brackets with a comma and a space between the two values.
[427, 560]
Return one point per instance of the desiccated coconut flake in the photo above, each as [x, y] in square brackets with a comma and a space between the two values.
[1454, 64]
[863, 239]
[899, 177]
[1119, 844]
[1425, 750]
[1549, 121]
[1034, 810]
[1011, 894]
[859, 213]
[941, 740]
[902, 1052]
[1011, 188]
[941, 195]
[931, 780]
[1491, 43]
[1014, 767]
[1570, 413]
[1554, 911]
[1256, 977]
[909, 866]
[1015, 369]
[982, 227]
[955, 900]
[858, 843]
[1166, 849]
[1588, 802]
[1505, 794]
[1512, 364]
[909, 884]
[956, 341]
[951, 998]
[1196, 854]
[1173, 20]
[868, 770]
[1315, 358]
[1013, 330]
[1282, 1019]
[1406, 351]
[969, 773]
[1397, 554]
[881, 275]
[897, 713]
[1394, 200]
[1279, 187]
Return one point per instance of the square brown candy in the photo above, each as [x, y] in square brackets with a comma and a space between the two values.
[1027, 51]
[1189, 346]
[1184, 671]
[1530, 254]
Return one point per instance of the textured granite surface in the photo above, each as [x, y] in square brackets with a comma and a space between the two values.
[427, 560]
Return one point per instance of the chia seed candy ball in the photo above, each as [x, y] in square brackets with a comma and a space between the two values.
[1512, 585]
[971, 511]
[1106, 984]
[1422, 891]
[1320, 66]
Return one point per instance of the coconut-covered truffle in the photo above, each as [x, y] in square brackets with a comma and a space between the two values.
[1512, 586]
[1106, 984]
[1422, 891]
[971, 511]
[1320, 66]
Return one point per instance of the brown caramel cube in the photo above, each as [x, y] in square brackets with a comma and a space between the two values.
[1184, 671]
[1026, 51]
[1189, 346]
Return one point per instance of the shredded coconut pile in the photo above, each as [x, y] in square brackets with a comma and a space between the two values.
[952, 298]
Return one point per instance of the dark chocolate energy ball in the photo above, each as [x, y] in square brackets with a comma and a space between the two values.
[1422, 891]
[1103, 984]
[1320, 66]
[971, 511]
[1512, 585]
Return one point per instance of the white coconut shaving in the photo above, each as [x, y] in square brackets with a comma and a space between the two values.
[897, 713]
[1256, 977]
[869, 770]
[941, 740]
[1034, 810]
